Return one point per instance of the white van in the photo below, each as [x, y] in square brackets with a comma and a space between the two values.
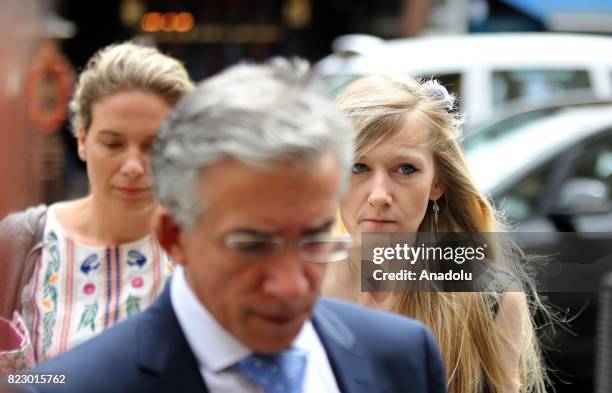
[485, 70]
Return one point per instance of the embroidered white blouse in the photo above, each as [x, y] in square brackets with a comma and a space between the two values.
[79, 290]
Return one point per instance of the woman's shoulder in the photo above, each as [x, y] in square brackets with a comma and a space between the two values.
[23, 224]
[20, 237]
[512, 314]
[507, 303]
[511, 304]
[31, 214]
[512, 327]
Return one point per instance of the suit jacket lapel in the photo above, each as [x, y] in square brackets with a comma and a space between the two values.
[163, 349]
[350, 365]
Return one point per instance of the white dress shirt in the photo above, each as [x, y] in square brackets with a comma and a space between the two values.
[217, 350]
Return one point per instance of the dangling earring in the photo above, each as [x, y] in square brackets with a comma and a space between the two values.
[436, 209]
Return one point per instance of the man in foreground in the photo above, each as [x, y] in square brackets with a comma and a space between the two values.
[250, 169]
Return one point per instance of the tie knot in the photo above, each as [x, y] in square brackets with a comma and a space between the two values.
[279, 373]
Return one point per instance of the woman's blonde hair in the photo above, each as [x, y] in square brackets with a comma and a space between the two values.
[124, 67]
[461, 322]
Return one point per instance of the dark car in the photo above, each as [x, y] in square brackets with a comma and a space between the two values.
[550, 171]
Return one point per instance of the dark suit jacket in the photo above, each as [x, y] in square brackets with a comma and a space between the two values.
[369, 351]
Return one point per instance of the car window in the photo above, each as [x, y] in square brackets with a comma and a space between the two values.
[595, 160]
[521, 201]
[593, 166]
[536, 85]
[490, 133]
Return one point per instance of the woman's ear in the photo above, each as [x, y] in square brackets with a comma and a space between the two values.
[437, 189]
[82, 148]
[169, 236]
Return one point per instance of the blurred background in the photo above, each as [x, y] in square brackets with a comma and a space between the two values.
[533, 77]
[344, 36]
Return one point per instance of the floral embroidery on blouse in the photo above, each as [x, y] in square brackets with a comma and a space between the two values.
[50, 289]
[80, 290]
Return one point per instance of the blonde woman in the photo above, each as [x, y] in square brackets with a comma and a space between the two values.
[409, 175]
[72, 269]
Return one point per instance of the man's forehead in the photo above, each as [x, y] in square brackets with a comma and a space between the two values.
[289, 162]
[278, 199]
[232, 175]
[285, 228]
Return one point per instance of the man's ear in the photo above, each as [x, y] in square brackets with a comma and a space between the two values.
[81, 147]
[169, 236]
[437, 189]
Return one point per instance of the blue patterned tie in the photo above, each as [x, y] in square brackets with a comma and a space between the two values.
[280, 373]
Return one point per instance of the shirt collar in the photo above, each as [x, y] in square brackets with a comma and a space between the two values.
[214, 347]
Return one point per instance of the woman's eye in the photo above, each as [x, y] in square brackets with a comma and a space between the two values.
[405, 169]
[112, 145]
[359, 168]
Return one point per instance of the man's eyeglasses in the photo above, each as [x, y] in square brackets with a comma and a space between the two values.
[315, 248]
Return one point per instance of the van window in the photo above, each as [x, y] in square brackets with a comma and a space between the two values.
[521, 201]
[334, 84]
[536, 85]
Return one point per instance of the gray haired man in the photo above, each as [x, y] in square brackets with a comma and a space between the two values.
[250, 169]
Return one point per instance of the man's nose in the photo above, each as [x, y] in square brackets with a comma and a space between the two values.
[380, 193]
[286, 278]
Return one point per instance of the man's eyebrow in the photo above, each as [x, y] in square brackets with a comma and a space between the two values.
[325, 227]
[253, 232]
